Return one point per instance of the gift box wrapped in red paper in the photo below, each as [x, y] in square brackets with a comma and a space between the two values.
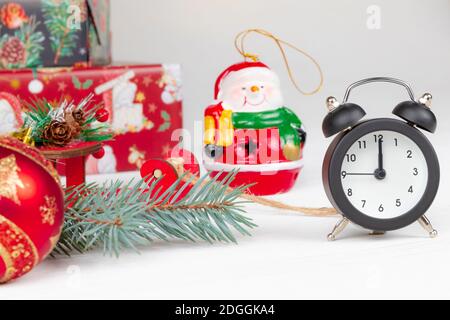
[53, 33]
[144, 102]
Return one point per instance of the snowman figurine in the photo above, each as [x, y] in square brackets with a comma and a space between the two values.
[249, 129]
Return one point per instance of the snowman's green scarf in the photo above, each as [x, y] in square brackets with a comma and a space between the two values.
[282, 118]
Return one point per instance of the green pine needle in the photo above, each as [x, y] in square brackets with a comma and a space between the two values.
[32, 40]
[117, 216]
[64, 39]
[40, 113]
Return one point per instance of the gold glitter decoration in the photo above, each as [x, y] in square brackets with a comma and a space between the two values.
[49, 210]
[9, 179]
[16, 250]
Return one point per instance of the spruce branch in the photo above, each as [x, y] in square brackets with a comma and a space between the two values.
[63, 38]
[33, 41]
[116, 216]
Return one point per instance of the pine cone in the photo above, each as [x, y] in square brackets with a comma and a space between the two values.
[78, 115]
[58, 133]
[13, 51]
[72, 120]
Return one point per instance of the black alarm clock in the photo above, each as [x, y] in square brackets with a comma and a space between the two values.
[381, 174]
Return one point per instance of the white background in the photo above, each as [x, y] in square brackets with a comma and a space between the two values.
[288, 256]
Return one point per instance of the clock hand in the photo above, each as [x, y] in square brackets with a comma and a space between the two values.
[380, 154]
[380, 173]
[360, 174]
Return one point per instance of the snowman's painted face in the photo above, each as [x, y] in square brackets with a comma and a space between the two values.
[8, 121]
[252, 90]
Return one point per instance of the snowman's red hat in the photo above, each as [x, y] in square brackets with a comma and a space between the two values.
[238, 67]
[15, 104]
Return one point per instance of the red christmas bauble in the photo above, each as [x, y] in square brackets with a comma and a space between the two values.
[31, 208]
[99, 154]
[102, 115]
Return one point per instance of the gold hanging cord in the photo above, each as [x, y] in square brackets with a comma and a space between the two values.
[239, 43]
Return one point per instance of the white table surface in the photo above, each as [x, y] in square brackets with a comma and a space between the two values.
[288, 257]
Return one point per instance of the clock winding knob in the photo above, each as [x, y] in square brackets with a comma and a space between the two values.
[332, 103]
[426, 99]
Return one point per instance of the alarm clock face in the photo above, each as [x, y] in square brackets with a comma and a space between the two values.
[383, 174]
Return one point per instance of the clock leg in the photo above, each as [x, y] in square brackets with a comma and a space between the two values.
[426, 224]
[340, 226]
